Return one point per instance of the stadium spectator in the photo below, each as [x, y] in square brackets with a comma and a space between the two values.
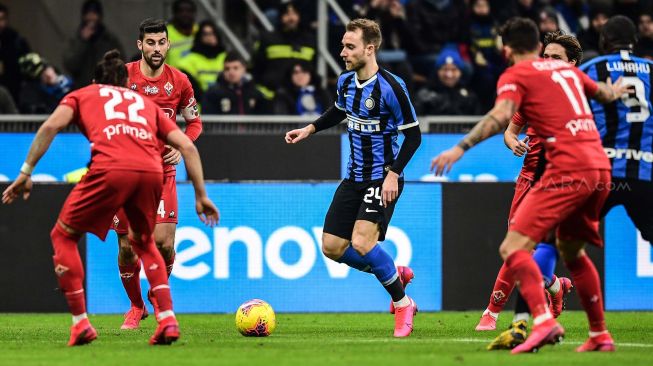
[573, 15]
[486, 59]
[12, 47]
[436, 24]
[181, 30]
[204, 61]
[398, 37]
[44, 86]
[504, 10]
[7, 104]
[446, 95]
[589, 38]
[548, 21]
[301, 95]
[644, 46]
[89, 44]
[278, 50]
[234, 92]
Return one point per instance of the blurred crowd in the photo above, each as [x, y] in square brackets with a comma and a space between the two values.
[447, 51]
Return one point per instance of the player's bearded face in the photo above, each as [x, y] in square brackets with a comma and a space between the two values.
[354, 51]
[154, 49]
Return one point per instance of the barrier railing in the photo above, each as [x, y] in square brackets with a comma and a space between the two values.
[251, 124]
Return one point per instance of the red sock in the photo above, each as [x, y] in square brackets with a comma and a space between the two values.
[525, 272]
[588, 287]
[502, 288]
[68, 268]
[170, 262]
[131, 281]
[155, 272]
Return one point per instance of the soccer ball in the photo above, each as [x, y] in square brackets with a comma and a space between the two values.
[255, 318]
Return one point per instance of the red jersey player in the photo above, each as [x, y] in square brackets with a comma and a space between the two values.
[550, 95]
[557, 46]
[171, 90]
[125, 172]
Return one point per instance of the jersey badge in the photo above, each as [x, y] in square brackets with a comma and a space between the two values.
[168, 88]
[369, 103]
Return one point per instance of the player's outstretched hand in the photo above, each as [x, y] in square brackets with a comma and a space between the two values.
[442, 163]
[22, 184]
[618, 88]
[519, 147]
[207, 211]
[172, 156]
[294, 136]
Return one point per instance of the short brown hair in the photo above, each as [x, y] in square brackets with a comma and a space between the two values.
[520, 34]
[568, 42]
[369, 28]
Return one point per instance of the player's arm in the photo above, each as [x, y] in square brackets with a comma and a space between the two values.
[203, 203]
[512, 141]
[58, 120]
[193, 122]
[331, 117]
[492, 123]
[607, 92]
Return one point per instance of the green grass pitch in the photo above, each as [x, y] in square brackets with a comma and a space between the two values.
[446, 338]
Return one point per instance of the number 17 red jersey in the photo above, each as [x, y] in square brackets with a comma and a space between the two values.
[124, 128]
[552, 96]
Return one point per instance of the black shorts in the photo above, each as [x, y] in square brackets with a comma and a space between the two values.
[358, 201]
[637, 198]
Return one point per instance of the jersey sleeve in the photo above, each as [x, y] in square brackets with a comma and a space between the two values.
[340, 102]
[509, 87]
[518, 119]
[164, 125]
[398, 102]
[72, 100]
[189, 110]
[590, 86]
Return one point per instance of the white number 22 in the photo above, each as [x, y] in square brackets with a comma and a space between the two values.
[117, 97]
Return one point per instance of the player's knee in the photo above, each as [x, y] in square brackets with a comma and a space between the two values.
[361, 245]
[331, 249]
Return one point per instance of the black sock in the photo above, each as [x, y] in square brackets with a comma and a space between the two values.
[396, 290]
[520, 305]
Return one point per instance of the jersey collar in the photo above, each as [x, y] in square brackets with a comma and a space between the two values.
[367, 82]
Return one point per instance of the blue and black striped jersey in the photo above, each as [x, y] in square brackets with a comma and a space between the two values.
[626, 125]
[376, 110]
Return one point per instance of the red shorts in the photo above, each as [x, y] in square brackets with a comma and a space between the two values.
[522, 187]
[570, 201]
[166, 209]
[91, 204]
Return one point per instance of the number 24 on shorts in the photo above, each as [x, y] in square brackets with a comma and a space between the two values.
[373, 192]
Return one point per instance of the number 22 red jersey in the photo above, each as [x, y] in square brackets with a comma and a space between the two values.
[124, 128]
[551, 96]
[173, 93]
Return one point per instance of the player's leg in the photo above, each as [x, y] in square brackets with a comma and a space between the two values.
[546, 257]
[517, 331]
[338, 227]
[504, 284]
[140, 210]
[638, 202]
[166, 222]
[129, 266]
[70, 275]
[579, 228]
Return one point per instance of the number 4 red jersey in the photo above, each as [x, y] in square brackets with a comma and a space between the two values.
[551, 96]
[123, 127]
[173, 93]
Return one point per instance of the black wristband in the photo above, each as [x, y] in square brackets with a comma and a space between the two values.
[463, 145]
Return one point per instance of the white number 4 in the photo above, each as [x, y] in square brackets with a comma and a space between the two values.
[161, 211]
[373, 193]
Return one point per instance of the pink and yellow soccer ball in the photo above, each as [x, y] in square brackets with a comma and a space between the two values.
[255, 318]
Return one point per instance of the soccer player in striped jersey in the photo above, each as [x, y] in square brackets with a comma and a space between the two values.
[626, 125]
[377, 106]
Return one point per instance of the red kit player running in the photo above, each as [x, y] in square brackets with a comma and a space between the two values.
[171, 90]
[550, 95]
[125, 131]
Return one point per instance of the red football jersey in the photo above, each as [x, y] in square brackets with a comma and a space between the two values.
[532, 158]
[551, 96]
[173, 93]
[124, 128]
